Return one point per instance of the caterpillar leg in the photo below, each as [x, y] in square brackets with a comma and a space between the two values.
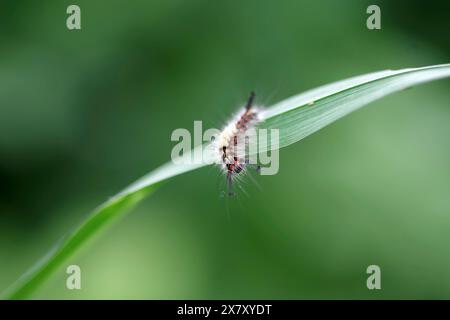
[229, 184]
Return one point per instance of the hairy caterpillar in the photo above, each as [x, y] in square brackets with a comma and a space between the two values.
[232, 141]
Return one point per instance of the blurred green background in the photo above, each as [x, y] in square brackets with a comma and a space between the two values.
[84, 113]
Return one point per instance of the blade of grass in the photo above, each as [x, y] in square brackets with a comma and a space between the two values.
[96, 222]
[299, 116]
[296, 118]
[66, 247]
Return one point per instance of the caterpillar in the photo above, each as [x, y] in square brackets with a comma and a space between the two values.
[232, 141]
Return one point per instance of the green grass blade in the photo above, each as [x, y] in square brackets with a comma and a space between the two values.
[301, 115]
[296, 118]
[100, 218]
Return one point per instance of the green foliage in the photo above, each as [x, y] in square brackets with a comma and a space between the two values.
[296, 118]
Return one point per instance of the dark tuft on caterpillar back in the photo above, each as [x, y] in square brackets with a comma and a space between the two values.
[250, 100]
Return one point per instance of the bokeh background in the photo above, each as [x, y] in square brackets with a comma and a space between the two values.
[84, 113]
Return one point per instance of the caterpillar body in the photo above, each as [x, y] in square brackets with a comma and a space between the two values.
[234, 160]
